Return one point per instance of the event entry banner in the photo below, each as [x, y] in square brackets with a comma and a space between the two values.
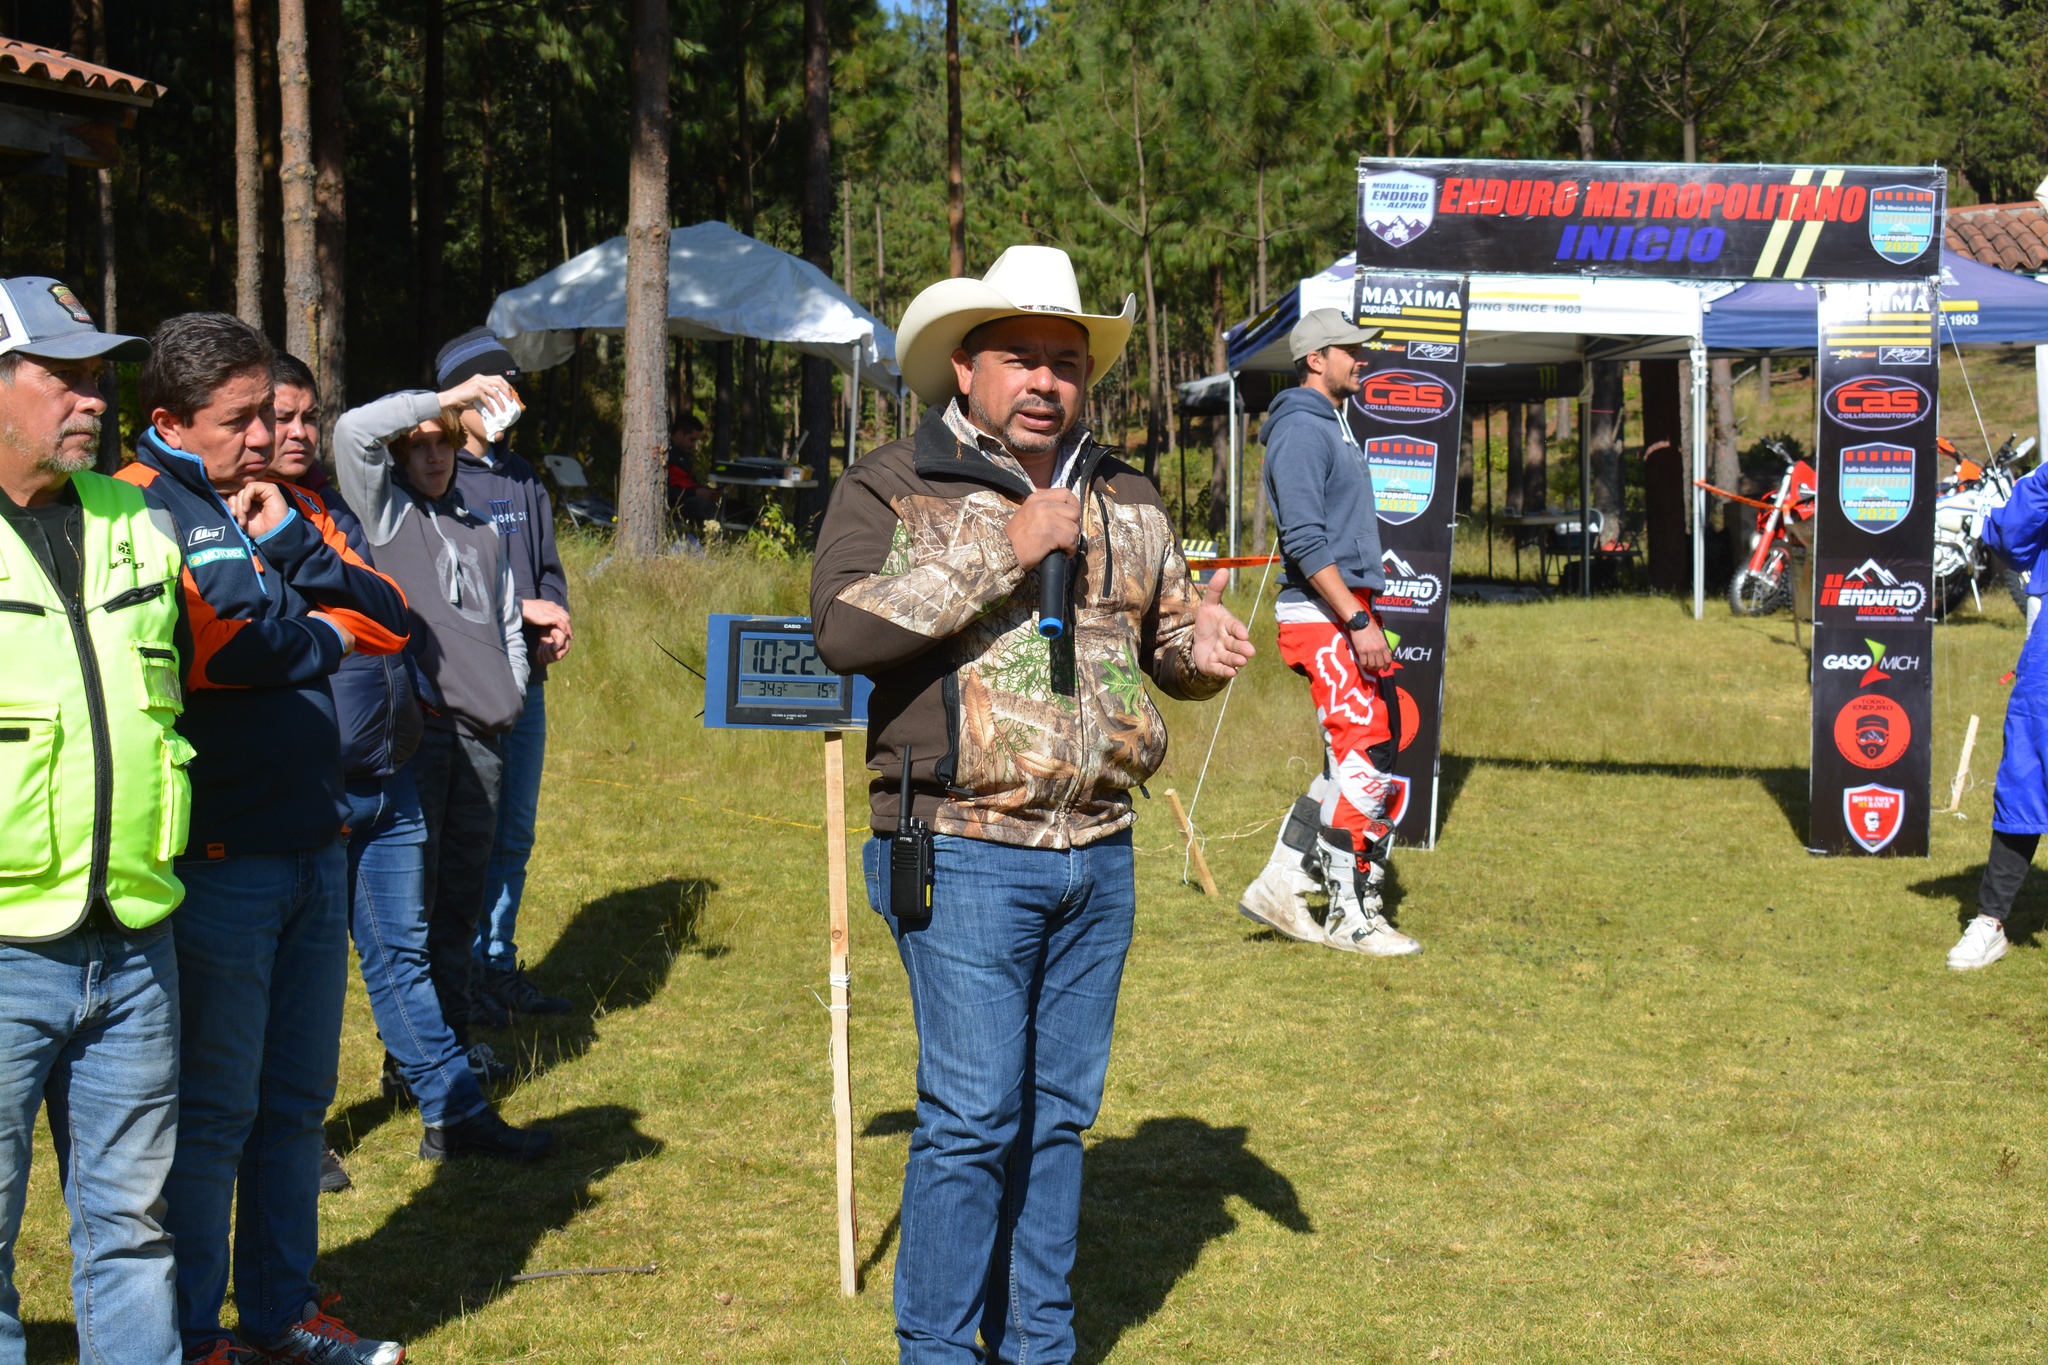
[1408, 417]
[1873, 619]
[1669, 221]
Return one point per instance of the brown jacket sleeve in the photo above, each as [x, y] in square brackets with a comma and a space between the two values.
[1167, 642]
[876, 600]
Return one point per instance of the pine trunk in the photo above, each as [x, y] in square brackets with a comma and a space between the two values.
[429, 151]
[1607, 443]
[1219, 427]
[1516, 436]
[301, 255]
[956, 183]
[330, 229]
[646, 390]
[814, 416]
[248, 172]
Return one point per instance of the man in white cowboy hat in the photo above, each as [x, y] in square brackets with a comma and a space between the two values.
[1320, 486]
[1018, 754]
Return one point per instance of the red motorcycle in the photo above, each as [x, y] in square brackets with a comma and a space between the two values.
[1763, 582]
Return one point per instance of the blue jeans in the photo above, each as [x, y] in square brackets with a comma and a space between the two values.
[262, 967]
[89, 1025]
[525, 746]
[1013, 984]
[388, 916]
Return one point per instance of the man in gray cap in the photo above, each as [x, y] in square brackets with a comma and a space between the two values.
[94, 776]
[1321, 489]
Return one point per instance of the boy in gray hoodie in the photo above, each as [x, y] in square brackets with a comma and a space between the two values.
[395, 459]
[1321, 489]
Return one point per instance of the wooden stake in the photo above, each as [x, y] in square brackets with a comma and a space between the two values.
[841, 1007]
[1955, 791]
[1194, 850]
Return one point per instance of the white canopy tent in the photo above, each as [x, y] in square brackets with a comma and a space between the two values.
[1521, 319]
[722, 286]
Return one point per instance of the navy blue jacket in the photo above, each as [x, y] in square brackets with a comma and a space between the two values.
[376, 702]
[258, 708]
[1321, 490]
[504, 487]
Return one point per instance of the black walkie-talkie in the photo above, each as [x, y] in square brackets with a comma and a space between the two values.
[910, 861]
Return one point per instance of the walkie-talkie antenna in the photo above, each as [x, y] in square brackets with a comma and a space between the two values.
[903, 811]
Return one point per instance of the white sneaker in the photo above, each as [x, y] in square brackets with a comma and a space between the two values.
[1278, 898]
[1983, 943]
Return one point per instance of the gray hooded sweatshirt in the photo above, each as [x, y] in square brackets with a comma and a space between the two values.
[450, 562]
[1321, 489]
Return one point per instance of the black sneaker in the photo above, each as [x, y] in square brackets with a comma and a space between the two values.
[486, 1134]
[514, 989]
[485, 1066]
[484, 1009]
[333, 1179]
[396, 1092]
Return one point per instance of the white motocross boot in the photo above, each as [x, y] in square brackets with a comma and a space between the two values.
[1278, 897]
[1354, 923]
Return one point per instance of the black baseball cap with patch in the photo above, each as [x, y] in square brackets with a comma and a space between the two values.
[41, 317]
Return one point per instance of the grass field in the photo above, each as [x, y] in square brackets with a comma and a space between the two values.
[1662, 1086]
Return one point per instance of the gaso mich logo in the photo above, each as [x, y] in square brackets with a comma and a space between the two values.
[1876, 666]
[1396, 206]
[1876, 487]
[1407, 590]
[1873, 815]
[1403, 476]
[1405, 397]
[1877, 402]
[1874, 592]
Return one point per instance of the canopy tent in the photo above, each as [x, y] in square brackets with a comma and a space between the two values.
[1980, 306]
[722, 286]
[1518, 319]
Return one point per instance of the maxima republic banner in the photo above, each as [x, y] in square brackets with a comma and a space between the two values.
[1670, 221]
[1408, 417]
[1873, 620]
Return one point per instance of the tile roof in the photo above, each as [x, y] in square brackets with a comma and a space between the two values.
[2009, 236]
[27, 64]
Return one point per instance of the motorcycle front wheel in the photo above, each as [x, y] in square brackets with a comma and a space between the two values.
[1759, 593]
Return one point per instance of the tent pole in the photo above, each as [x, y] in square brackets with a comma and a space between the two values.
[853, 408]
[1699, 471]
[1586, 481]
[1235, 448]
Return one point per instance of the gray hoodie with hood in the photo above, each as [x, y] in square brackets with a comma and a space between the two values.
[451, 562]
[1321, 490]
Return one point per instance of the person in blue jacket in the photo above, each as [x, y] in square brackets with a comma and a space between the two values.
[2018, 532]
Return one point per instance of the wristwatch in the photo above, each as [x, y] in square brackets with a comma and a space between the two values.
[1359, 621]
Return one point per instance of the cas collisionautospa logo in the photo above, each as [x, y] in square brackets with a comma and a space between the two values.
[1877, 666]
[1406, 589]
[1877, 402]
[1874, 592]
[1406, 396]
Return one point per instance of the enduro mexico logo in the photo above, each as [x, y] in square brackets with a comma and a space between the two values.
[1874, 592]
[1406, 589]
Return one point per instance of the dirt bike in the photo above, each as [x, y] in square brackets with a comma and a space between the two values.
[1763, 582]
[1962, 503]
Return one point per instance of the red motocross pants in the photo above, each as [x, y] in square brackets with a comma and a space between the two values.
[1356, 712]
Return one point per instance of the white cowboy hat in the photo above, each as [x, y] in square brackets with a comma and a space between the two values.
[1024, 280]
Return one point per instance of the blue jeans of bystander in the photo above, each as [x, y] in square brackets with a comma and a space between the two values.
[262, 967]
[388, 916]
[1013, 984]
[89, 1025]
[525, 747]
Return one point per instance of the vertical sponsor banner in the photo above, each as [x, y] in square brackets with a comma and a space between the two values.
[1408, 418]
[1873, 623]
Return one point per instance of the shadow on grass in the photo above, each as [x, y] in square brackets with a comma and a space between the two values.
[1152, 1201]
[2029, 912]
[51, 1343]
[1786, 786]
[451, 1247]
[614, 955]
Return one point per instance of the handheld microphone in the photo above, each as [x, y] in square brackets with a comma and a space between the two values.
[1052, 594]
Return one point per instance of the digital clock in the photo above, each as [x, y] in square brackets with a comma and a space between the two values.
[764, 673]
